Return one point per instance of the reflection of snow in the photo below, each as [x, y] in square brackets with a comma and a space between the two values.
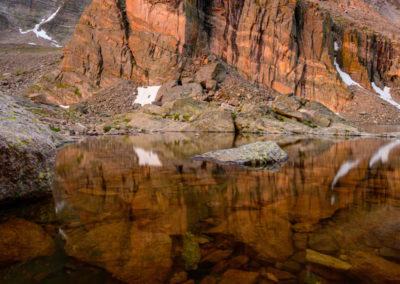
[383, 153]
[62, 233]
[385, 94]
[344, 170]
[146, 95]
[147, 157]
[60, 205]
[333, 199]
[42, 33]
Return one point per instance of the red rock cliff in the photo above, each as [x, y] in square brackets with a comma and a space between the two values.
[286, 45]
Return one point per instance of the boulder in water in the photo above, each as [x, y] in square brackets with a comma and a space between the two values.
[266, 155]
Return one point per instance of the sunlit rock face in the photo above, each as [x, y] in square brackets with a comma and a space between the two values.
[128, 205]
[285, 45]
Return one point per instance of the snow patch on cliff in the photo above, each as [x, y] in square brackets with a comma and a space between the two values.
[346, 77]
[146, 95]
[385, 94]
[40, 33]
[335, 46]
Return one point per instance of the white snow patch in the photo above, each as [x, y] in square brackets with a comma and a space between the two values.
[146, 95]
[147, 158]
[60, 206]
[31, 43]
[335, 46]
[42, 33]
[344, 170]
[64, 107]
[383, 153]
[385, 94]
[338, 114]
[346, 77]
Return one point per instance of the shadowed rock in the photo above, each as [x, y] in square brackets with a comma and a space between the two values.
[22, 240]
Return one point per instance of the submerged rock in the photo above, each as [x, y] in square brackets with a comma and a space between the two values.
[374, 269]
[22, 240]
[27, 151]
[261, 154]
[129, 254]
[269, 235]
[233, 276]
[191, 251]
[326, 260]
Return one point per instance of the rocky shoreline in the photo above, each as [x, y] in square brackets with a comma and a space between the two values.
[212, 97]
[30, 133]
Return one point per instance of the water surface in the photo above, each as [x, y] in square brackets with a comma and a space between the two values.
[138, 209]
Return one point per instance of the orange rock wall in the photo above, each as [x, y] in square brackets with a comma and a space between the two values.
[286, 45]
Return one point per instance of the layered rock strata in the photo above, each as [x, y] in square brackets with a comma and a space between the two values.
[287, 46]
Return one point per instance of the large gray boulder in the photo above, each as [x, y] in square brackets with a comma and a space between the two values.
[212, 71]
[266, 155]
[27, 151]
[171, 91]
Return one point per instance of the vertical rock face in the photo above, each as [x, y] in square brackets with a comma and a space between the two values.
[282, 44]
[287, 45]
[370, 57]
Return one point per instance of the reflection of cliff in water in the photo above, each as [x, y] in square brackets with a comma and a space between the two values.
[139, 215]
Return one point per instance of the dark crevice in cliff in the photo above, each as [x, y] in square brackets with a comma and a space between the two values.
[235, 12]
[121, 5]
[298, 25]
[256, 37]
[100, 64]
[195, 39]
[207, 13]
[295, 43]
